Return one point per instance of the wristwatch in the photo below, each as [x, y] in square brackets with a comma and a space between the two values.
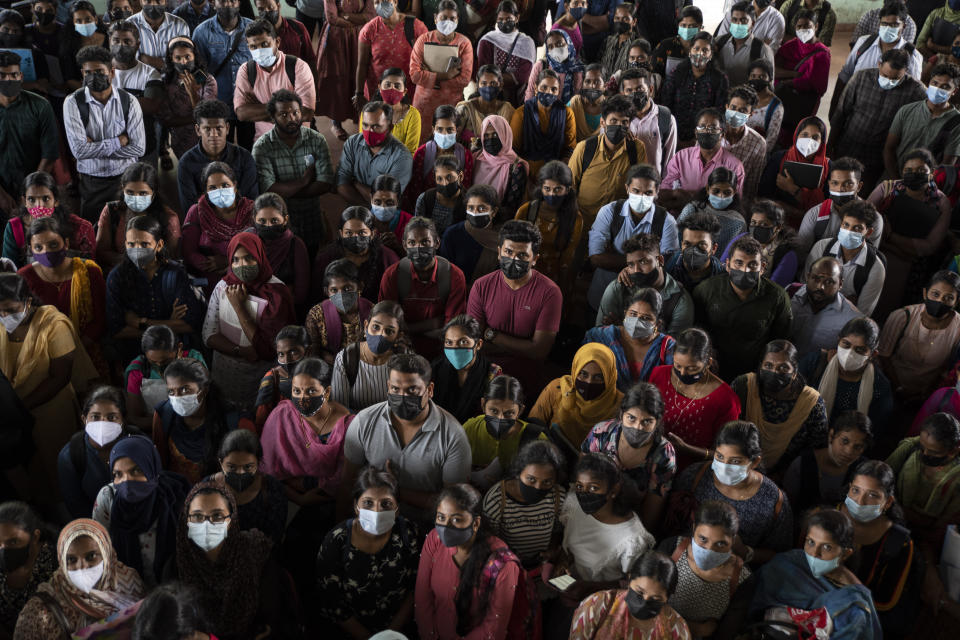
[489, 334]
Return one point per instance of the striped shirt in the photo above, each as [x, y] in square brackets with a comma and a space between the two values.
[97, 148]
[369, 388]
[526, 528]
[154, 43]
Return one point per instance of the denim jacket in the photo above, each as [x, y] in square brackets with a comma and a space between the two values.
[214, 43]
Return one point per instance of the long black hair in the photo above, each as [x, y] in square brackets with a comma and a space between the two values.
[47, 181]
[170, 73]
[215, 420]
[568, 209]
[70, 38]
[127, 271]
[144, 172]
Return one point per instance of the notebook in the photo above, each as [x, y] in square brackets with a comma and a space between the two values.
[437, 56]
[804, 175]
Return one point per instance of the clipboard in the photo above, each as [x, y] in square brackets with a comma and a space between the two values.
[437, 56]
[805, 175]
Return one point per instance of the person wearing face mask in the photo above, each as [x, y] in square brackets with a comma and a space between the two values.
[472, 245]
[736, 48]
[189, 427]
[720, 202]
[82, 467]
[489, 101]
[337, 58]
[789, 415]
[569, 18]
[511, 44]
[916, 340]
[561, 58]
[29, 559]
[81, 28]
[232, 570]
[139, 507]
[814, 577]
[46, 31]
[708, 572]
[390, 220]
[446, 129]
[744, 143]
[802, 69]
[696, 260]
[386, 44]
[498, 165]
[90, 585]
[157, 27]
[338, 321]
[292, 344]
[767, 115]
[141, 196]
[602, 538]
[825, 19]
[743, 310]
[820, 477]
[777, 241]
[675, 44]
[357, 243]
[731, 475]
[195, 12]
[437, 87]
[917, 216]
[187, 82]
[556, 213]
[286, 252]
[444, 203]
[696, 77]
[639, 611]
[406, 120]
[246, 310]
[144, 384]
[888, 562]
[635, 336]
[371, 153]
[570, 405]
[634, 441]
[616, 46]
[936, 35]
[292, 36]
[463, 372]
[820, 311]
[367, 566]
[809, 147]
[652, 124]
[543, 128]
[951, 53]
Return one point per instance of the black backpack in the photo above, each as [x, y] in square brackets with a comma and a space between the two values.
[405, 278]
[591, 145]
[756, 47]
[289, 65]
[79, 97]
[862, 272]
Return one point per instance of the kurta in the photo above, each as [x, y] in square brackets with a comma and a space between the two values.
[337, 58]
[431, 93]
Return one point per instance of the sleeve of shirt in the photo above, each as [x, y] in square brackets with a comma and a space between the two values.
[916, 65]
[242, 94]
[49, 134]
[670, 147]
[456, 465]
[249, 186]
[609, 305]
[411, 132]
[531, 84]
[783, 321]
[738, 171]
[265, 173]
[870, 294]
[420, 74]
[669, 242]
[475, 304]
[902, 453]
[211, 322]
[345, 174]
[576, 161]
[306, 87]
[402, 168]
[457, 299]
[570, 134]
[682, 314]
[928, 26]
[550, 310]
[352, 446]
[115, 310]
[77, 134]
[671, 178]
[599, 235]
[499, 607]
[779, 534]
[425, 610]
[195, 308]
[136, 134]
[186, 188]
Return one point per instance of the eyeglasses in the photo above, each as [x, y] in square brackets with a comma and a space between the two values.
[199, 518]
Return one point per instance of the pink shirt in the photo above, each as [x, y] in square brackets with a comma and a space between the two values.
[533, 307]
[270, 80]
[437, 581]
[687, 171]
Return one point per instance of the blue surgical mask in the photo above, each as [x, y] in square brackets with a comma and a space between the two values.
[687, 33]
[222, 198]
[849, 239]
[719, 203]
[445, 140]
[383, 214]
[820, 567]
[736, 119]
[137, 204]
[730, 474]
[739, 31]
[936, 95]
[459, 358]
[889, 34]
[265, 57]
[863, 512]
[708, 559]
[86, 30]
[578, 12]
[886, 83]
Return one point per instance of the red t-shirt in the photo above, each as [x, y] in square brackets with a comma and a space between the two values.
[535, 306]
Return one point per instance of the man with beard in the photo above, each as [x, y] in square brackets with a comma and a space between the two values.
[294, 162]
[819, 309]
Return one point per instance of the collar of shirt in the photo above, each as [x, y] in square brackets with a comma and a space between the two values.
[836, 305]
[714, 161]
[646, 219]
[860, 260]
[92, 100]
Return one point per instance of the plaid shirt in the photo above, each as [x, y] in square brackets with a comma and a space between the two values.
[751, 150]
[865, 113]
[869, 24]
[686, 95]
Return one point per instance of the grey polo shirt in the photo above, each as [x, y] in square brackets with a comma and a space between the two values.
[438, 455]
[813, 331]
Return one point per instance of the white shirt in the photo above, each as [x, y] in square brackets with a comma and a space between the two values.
[870, 59]
[154, 43]
[136, 78]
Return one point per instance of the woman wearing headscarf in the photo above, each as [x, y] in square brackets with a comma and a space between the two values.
[809, 147]
[140, 507]
[247, 309]
[571, 405]
[286, 252]
[562, 58]
[229, 568]
[511, 50]
[90, 585]
[498, 165]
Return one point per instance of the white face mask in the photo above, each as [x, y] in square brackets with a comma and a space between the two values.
[807, 146]
[559, 54]
[207, 535]
[86, 579]
[850, 360]
[446, 27]
[185, 405]
[805, 35]
[640, 202]
[103, 432]
[13, 320]
[376, 523]
[730, 474]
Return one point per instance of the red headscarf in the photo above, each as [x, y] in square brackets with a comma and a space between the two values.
[810, 197]
[279, 310]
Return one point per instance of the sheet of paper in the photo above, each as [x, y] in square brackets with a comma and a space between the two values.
[562, 582]
[230, 323]
[437, 56]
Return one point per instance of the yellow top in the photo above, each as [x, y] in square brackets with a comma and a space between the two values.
[603, 181]
[407, 130]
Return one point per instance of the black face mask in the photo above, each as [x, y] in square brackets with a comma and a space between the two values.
[744, 280]
[449, 190]
[118, 15]
[356, 244]
[10, 40]
[308, 406]
[45, 18]
[153, 11]
[641, 279]
[554, 200]
[758, 84]
[935, 308]
[498, 427]
[642, 609]
[506, 26]
[839, 201]
[640, 100]
[763, 235]
[479, 222]
[636, 438]
[96, 82]
[421, 257]
[123, 53]
[933, 461]
[185, 68]
[695, 258]
[774, 382]
[915, 180]
[493, 146]
[239, 482]
[591, 502]
[514, 268]
[708, 141]
[271, 16]
[404, 407]
[289, 366]
[12, 558]
[589, 390]
[688, 378]
[228, 14]
[615, 133]
[532, 495]
[269, 231]
[591, 95]
[10, 88]
[620, 27]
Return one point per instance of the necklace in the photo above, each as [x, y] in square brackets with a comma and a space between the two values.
[310, 430]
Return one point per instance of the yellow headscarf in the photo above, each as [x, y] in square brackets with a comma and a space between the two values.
[577, 416]
[81, 299]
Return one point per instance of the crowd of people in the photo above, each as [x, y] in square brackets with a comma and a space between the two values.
[610, 336]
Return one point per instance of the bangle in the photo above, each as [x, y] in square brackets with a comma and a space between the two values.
[709, 454]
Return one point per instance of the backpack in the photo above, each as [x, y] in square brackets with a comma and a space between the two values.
[663, 124]
[756, 47]
[408, 32]
[79, 98]
[334, 324]
[862, 272]
[405, 278]
[684, 543]
[823, 219]
[592, 143]
[909, 48]
[939, 144]
[289, 65]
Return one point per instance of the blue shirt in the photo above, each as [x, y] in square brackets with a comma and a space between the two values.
[214, 43]
[600, 231]
[186, 12]
[358, 164]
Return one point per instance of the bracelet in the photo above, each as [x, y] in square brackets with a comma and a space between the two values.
[709, 454]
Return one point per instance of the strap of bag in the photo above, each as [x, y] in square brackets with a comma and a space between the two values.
[532, 211]
[334, 326]
[351, 362]
[54, 608]
[16, 225]
[823, 219]
[616, 222]
[589, 151]
[682, 545]
[238, 36]
[866, 45]
[663, 124]
[862, 273]
[408, 32]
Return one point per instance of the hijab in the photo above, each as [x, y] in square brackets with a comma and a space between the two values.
[495, 170]
[162, 493]
[568, 67]
[118, 588]
[810, 197]
[277, 249]
[230, 586]
[576, 414]
[516, 44]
